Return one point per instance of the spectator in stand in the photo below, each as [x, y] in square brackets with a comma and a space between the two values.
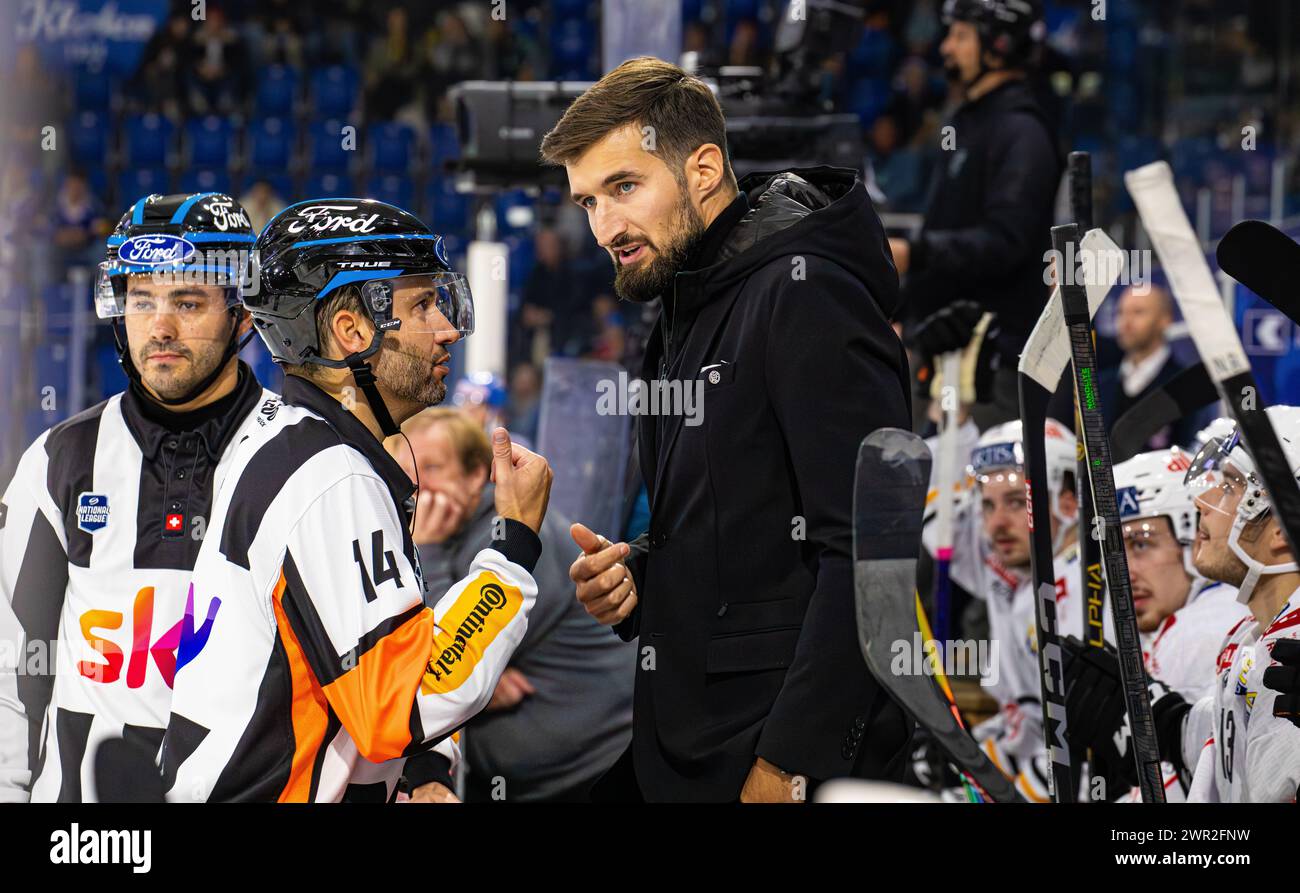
[276, 33]
[555, 305]
[562, 711]
[511, 55]
[160, 83]
[745, 49]
[262, 203]
[219, 68]
[79, 223]
[523, 406]
[392, 67]
[611, 332]
[480, 397]
[1144, 315]
[899, 170]
[452, 55]
[32, 97]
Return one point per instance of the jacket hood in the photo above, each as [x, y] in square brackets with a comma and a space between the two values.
[819, 211]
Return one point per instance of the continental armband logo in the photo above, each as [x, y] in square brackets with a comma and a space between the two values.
[482, 610]
[92, 512]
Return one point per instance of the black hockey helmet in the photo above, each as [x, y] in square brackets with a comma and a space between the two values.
[313, 248]
[203, 237]
[1009, 29]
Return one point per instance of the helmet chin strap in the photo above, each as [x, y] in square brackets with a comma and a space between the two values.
[1254, 568]
[358, 363]
[233, 346]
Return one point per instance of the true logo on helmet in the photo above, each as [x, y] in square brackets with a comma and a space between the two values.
[440, 250]
[154, 250]
[331, 218]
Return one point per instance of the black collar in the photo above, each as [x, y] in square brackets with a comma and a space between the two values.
[298, 391]
[151, 423]
[706, 250]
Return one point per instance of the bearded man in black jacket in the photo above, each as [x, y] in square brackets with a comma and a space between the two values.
[777, 294]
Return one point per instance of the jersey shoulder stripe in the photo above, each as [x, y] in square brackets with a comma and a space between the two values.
[301, 436]
[70, 449]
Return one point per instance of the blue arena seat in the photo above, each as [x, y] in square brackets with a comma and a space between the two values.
[135, 182]
[448, 210]
[392, 147]
[325, 150]
[333, 91]
[89, 137]
[208, 141]
[271, 144]
[328, 185]
[148, 138]
[206, 180]
[396, 189]
[277, 88]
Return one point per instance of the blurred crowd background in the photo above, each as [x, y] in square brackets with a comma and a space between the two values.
[251, 99]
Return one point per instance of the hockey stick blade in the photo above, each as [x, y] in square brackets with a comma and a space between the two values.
[1101, 478]
[1211, 328]
[1265, 260]
[892, 475]
[1188, 392]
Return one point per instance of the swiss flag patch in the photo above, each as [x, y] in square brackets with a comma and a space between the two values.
[174, 524]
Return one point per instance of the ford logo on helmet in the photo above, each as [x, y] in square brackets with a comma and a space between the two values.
[154, 250]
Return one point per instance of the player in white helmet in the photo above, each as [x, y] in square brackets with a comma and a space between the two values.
[990, 559]
[1229, 741]
[1182, 617]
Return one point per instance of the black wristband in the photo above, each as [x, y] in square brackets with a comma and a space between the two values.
[519, 544]
[426, 768]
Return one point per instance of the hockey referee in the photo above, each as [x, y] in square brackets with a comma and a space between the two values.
[103, 520]
[325, 669]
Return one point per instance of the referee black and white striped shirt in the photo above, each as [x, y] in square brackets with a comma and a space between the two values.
[99, 531]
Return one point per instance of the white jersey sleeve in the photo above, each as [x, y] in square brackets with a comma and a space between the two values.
[387, 664]
[33, 577]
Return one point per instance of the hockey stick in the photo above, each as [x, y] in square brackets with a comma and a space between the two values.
[1265, 260]
[1188, 392]
[1211, 328]
[1092, 582]
[1101, 478]
[1041, 366]
[889, 485]
[950, 366]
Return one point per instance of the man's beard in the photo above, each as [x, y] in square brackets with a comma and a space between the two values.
[408, 377]
[648, 279]
[1222, 565]
[180, 379]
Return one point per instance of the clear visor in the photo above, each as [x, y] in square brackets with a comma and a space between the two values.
[421, 303]
[1215, 481]
[224, 273]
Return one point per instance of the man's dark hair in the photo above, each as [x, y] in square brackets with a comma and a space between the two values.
[681, 112]
[346, 298]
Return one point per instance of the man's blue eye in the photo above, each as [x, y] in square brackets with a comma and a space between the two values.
[621, 185]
